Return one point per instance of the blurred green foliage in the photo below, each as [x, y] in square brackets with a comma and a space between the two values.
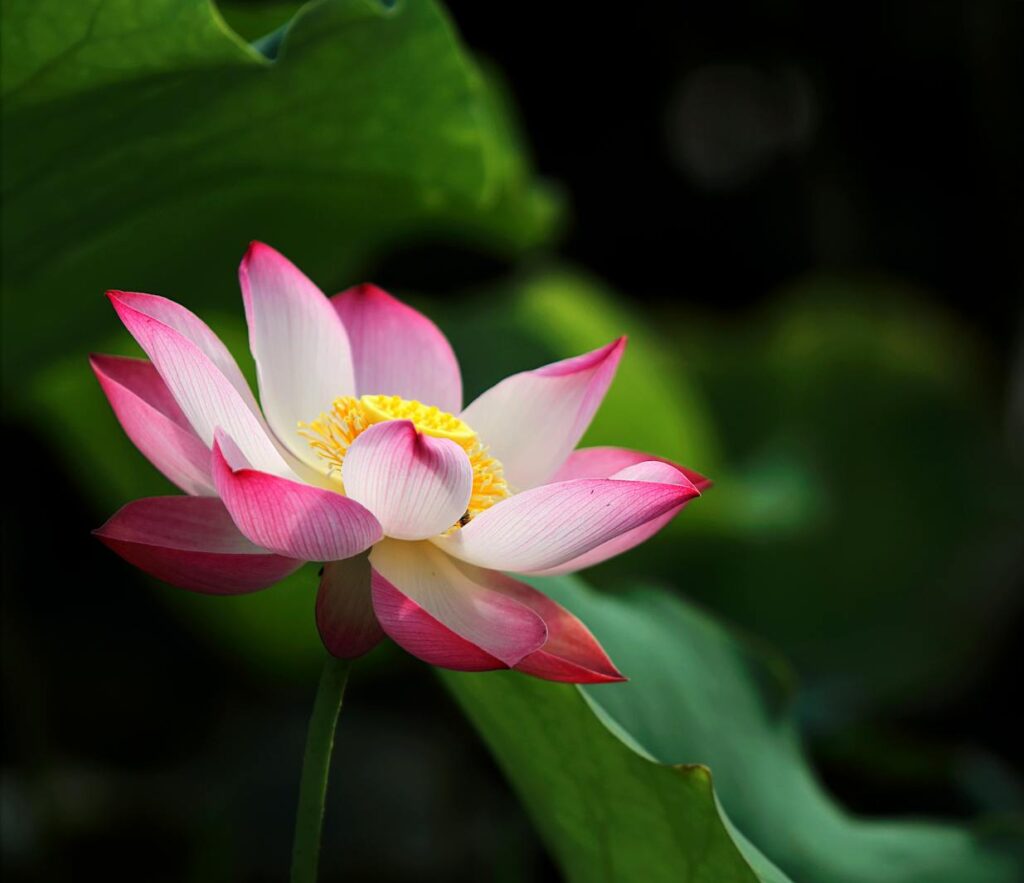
[146, 144]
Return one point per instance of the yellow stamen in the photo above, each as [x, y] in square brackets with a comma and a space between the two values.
[333, 431]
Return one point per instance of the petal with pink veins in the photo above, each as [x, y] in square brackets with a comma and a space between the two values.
[542, 528]
[428, 606]
[417, 486]
[571, 653]
[397, 350]
[154, 422]
[532, 421]
[603, 462]
[191, 542]
[202, 390]
[344, 608]
[192, 328]
[289, 517]
[299, 342]
[649, 470]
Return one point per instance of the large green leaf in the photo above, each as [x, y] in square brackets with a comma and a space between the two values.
[145, 144]
[598, 767]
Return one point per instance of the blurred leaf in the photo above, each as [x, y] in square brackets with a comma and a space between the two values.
[891, 570]
[252, 21]
[598, 767]
[146, 144]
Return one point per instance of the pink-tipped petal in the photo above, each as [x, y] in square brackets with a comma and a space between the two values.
[571, 653]
[288, 517]
[397, 350]
[191, 542]
[153, 421]
[652, 471]
[206, 395]
[532, 421]
[417, 486]
[344, 608]
[300, 345]
[603, 462]
[192, 328]
[431, 608]
[622, 464]
[550, 525]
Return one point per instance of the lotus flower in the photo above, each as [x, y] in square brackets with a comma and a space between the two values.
[363, 458]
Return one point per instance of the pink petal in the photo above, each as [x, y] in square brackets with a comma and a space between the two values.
[192, 542]
[431, 608]
[289, 517]
[571, 653]
[602, 462]
[154, 422]
[532, 421]
[299, 343]
[417, 486]
[344, 608]
[397, 350]
[206, 395]
[549, 525]
[189, 326]
[650, 470]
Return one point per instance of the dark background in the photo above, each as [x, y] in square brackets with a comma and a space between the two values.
[710, 153]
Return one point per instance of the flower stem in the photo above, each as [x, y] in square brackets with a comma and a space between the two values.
[316, 765]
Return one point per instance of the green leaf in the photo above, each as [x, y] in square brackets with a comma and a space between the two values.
[598, 767]
[146, 143]
[867, 512]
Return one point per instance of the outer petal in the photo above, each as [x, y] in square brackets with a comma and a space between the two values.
[299, 343]
[344, 608]
[432, 609]
[397, 350]
[287, 516]
[206, 395]
[192, 328]
[550, 525]
[653, 471]
[416, 486]
[571, 652]
[154, 422]
[532, 421]
[603, 462]
[192, 542]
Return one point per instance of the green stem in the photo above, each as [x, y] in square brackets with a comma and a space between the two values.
[316, 766]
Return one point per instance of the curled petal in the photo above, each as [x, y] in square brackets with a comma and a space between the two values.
[603, 462]
[649, 470]
[299, 343]
[191, 542]
[431, 608]
[397, 350]
[206, 395]
[416, 486]
[550, 525]
[289, 517]
[344, 608]
[532, 421]
[154, 422]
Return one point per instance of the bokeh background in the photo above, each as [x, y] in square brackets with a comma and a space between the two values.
[808, 220]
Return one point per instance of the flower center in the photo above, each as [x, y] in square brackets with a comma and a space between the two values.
[333, 431]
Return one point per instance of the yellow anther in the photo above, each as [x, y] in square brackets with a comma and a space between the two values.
[333, 431]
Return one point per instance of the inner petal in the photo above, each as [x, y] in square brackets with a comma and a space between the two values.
[331, 434]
